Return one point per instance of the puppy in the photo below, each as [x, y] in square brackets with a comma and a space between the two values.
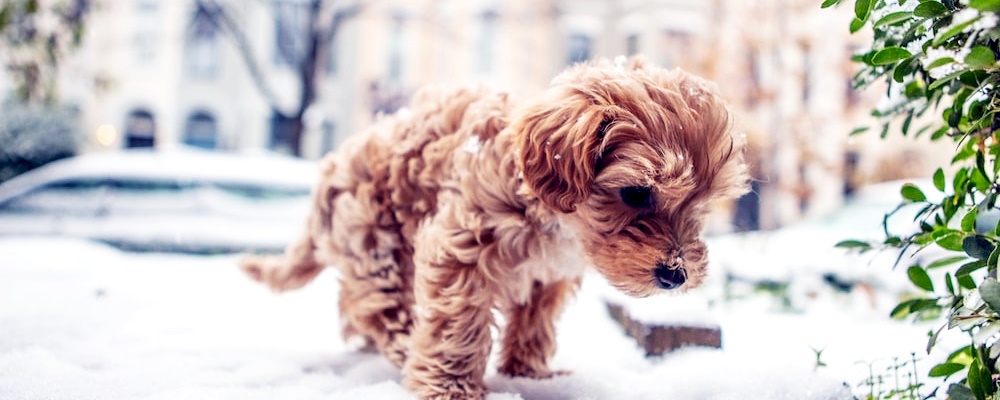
[470, 202]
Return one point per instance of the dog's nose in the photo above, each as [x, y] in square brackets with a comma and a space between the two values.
[669, 277]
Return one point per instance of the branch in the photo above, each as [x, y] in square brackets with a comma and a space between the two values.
[339, 17]
[223, 19]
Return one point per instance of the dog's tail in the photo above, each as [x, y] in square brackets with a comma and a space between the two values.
[292, 270]
[298, 265]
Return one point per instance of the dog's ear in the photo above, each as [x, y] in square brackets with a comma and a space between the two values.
[559, 150]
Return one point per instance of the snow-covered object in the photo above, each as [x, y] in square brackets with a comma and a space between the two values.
[180, 199]
[83, 321]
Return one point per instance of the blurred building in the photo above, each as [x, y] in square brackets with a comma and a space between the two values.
[162, 73]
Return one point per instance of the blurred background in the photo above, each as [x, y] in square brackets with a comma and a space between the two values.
[299, 76]
[194, 126]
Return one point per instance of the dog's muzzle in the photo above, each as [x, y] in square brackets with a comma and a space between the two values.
[670, 274]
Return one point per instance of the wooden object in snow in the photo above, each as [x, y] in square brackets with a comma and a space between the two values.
[659, 339]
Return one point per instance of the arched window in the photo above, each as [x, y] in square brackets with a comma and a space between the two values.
[140, 129]
[200, 130]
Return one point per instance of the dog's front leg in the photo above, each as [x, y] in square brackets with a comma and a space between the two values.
[451, 339]
[529, 339]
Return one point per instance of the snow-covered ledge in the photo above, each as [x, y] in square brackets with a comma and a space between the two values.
[661, 324]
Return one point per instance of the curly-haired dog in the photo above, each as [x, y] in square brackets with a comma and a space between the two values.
[467, 203]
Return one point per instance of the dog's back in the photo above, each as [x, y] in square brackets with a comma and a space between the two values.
[373, 193]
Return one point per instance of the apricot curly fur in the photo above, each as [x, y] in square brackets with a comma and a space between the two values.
[471, 201]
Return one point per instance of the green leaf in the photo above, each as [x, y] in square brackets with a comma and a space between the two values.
[890, 55]
[862, 9]
[856, 25]
[858, 131]
[980, 56]
[930, 9]
[966, 281]
[903, 70]
[920, 278]
[944, 80]
[893, 18]
[939, 179]
[939, 62]
[951, 241]
[979, 379]
[990, 292]
[969, 223]
[969, 268]
[829, 3]
[853, 244]
[973, 78]
[914, 89]
[945, 370]
[912, 306]
[961, 356]
[985, 5]
[946, 262]
[977, 246]
[901, 310]
[954, 30]
[912, 193]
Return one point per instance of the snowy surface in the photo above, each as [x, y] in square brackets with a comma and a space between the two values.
[84, 321]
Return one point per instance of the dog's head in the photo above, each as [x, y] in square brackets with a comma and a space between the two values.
[632, 156]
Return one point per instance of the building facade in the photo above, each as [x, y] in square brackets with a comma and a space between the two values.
[166, 73]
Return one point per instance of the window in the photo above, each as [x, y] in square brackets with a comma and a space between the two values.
[632, 44]
[202, 47]
[807, 73]
[579, 48]
[332, 58]
[754, 78]
[140, 129]
[329, 136]
[290, 32]
[486, 46]
[147, 33]
[677, 49]
[78, 197]
[150, 196]
[395, 67]
[282, 133]
[200, 131]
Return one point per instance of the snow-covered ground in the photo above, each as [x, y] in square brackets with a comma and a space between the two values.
[84, 321]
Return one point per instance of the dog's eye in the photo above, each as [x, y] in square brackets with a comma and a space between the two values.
[636, 196]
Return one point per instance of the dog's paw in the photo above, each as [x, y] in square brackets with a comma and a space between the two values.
[525, 371]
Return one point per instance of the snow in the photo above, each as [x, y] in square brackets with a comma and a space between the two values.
[86, 321]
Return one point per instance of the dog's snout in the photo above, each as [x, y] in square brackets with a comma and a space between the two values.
[669, 276]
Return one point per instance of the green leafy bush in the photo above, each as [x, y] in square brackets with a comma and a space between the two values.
[939, 60]
[33, 136]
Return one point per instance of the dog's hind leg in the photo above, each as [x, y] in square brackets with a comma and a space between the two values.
[529, 339]
[376, 272]
[376, 303]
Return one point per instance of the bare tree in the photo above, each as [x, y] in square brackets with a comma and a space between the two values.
[303, 45]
